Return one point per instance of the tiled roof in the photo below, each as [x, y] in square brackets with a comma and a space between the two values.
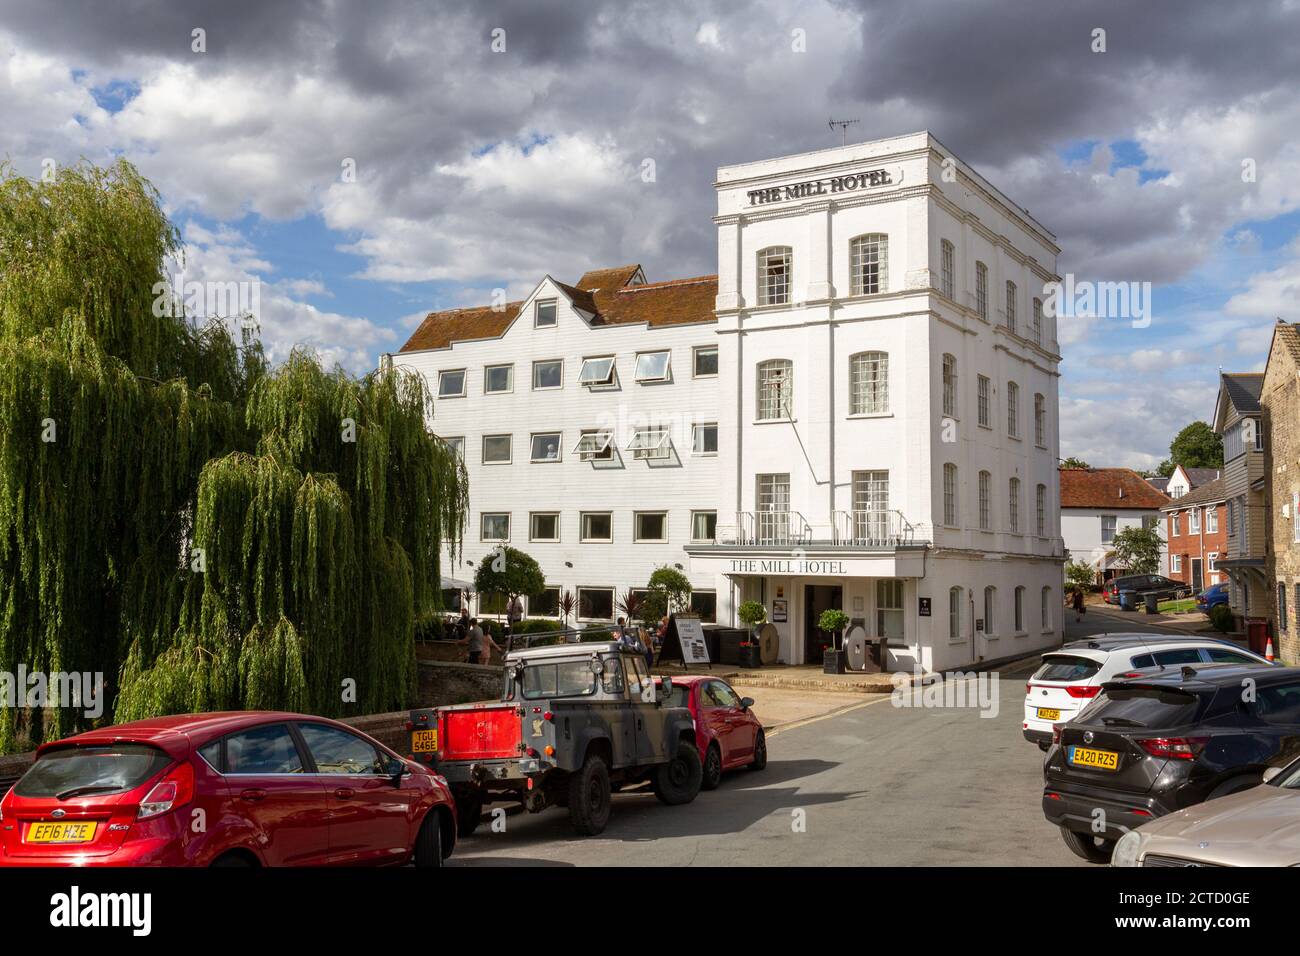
[1158, 482]
[1211, 491]
[1288, 333]
[1101, 488]
[1199, 476]
[603, 293]
[1243, 389]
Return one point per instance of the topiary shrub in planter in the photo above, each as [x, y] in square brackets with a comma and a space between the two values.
[833, 621]
[1221, 618]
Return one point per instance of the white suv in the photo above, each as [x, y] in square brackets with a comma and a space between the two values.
[1070, 678]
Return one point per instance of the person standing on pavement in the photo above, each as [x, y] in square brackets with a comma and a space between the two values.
[1077, 603]
[514, 613]
[479, 644]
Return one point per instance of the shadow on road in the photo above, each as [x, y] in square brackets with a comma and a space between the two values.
[743, 799]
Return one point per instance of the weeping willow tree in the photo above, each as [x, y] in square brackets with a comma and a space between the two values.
[204, 531]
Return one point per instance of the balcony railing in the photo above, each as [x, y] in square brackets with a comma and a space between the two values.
[782, 529]
[871, 529]
[877, 530]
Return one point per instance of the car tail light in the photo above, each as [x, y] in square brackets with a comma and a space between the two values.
[1129, 674]
[1056, 733]
[1029, 688]
[1175, 748]
[1083, 690]
[548, 715]
[172, 791]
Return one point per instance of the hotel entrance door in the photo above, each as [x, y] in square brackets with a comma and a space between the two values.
[817, 598]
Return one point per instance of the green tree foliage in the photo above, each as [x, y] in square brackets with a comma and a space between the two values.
[1079, 575]
[667, 592]
[509, 571]
[1137, 549]
[1196, 446]
[1073, 462]
[200, 530]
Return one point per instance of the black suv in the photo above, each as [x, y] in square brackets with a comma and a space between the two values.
[1150, 746]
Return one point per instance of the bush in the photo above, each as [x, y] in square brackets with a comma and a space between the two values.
[1221, 618]
[751, 613]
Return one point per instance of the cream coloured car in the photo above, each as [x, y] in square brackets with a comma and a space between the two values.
[1256, 827]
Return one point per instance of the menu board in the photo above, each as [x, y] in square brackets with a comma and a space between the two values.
[684, 641]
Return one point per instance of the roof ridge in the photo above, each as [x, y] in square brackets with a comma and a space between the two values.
[651, 286]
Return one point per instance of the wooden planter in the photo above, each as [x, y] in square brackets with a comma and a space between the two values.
[750, 656]
[832, 661]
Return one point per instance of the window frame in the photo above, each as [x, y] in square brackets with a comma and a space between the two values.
[1012, 318]
[1013, 410]
[510, 374]
[636, 527]
[464, 382]
[537, 313]
[785, 390]
[510, 458]
[695, 361]
[548, 388]
[605, 452]
[640, 443]
[482, 525]
[582, 527]
[613, 601]
[695, 515]
[951, 495]
[982, 290]
[532, 448]
[609, 381]
[868, 368]
[698, 428]
[769, 292]
[947, 268]
[665, 376]
[983, 401]
[878, 242]
[532, 526]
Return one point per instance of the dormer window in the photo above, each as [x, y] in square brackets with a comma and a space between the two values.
[544, 314]
[648, 444]
[774, 276]
[597, 371]
[652, 366]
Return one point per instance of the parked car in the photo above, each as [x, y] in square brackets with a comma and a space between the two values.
[270, 789]
[574, 723]
[1070, 678]
[1142, 585]
[1159, 744]
[1256, 827]
[727, 733]
[1212, 597]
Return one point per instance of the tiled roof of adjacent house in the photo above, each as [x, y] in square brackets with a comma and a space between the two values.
[604, 294]
[1243, 389]
[1199, 476]
[1288, 334]
[1113, 489]
[1211, 491]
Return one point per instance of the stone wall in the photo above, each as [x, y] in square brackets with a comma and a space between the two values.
[1280, 401]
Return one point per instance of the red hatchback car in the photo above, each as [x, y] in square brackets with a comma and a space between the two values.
[726, 730]
[225, 789]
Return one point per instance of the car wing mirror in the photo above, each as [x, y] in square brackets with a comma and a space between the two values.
[746, 703]
[1270, 773]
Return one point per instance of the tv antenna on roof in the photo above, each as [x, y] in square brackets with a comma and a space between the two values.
[844, 128]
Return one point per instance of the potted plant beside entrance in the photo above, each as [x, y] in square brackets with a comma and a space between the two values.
[752, 614]
[833, 621]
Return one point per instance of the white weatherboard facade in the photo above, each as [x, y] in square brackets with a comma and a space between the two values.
[886, 402]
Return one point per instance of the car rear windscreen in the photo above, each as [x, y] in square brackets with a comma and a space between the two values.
[1066, 667]
[1147, 707]
[86, 770]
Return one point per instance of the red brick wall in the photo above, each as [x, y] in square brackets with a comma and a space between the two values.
[1189, 546]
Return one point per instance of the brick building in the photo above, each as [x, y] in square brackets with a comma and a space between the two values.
[1280, 402]
[1196, 529]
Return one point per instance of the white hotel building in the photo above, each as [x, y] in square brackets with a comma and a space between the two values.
[859, 410]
